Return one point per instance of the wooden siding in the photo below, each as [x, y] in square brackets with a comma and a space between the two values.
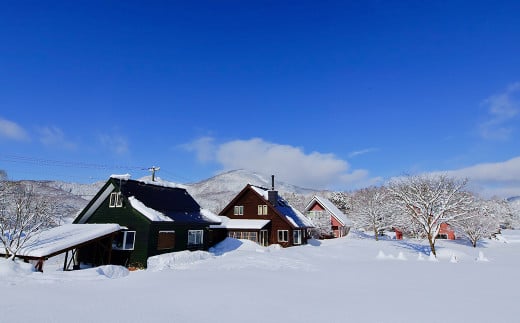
[447, 230]
[317, 207]
[126, 216]
[250, 200]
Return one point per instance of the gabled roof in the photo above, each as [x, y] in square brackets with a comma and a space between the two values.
[157, 201]
[331, 208]
[292, 215]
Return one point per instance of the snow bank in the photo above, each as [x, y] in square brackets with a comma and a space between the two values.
[382, 256]
[175, 259]
[509, 236]
[12, 268]
[113, 272]
[227, 245]
[231, 244]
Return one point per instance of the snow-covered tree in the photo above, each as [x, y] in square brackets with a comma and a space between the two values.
[370, 209]
[322, 225]
[341, 200]
[430, 200]
[22, 215]
[514, 207]
[483, 221]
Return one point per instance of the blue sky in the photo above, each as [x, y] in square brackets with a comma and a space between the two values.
[324, 94]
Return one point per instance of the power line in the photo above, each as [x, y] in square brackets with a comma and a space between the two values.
[61, 163]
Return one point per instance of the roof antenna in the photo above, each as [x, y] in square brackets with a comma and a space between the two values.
[153, 169]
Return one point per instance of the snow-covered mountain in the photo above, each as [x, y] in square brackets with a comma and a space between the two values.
[216, 192]
[69, 198]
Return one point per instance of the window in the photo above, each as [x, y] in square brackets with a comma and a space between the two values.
[297, 237]
[283, 235]
[262, 209]
[195, 237]
[239, 210]
[253, 236]
[124, 240]
[166, 240]
[116, 200]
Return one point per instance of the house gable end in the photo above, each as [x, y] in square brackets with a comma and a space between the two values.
[95, 203]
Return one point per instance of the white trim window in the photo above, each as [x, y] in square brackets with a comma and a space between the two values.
[239, 210]
[297, 237]
[262, 209]
[195, 237]
[116, 200]
[283, 235]
[124, 240]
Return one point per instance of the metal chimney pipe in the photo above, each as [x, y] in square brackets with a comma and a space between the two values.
[272, 182]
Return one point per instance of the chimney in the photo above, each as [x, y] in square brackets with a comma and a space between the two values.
[272, 195]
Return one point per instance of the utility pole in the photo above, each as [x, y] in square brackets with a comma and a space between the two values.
[153, 169]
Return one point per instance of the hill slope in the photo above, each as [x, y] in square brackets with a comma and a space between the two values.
[216, 192]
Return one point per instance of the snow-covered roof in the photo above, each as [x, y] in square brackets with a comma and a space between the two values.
[160, 182]
[55, 240]
[295, 217]
[124, 177]
[245, 224]
[331, 208]
[158, 201]
[150, 213]
[210, 216]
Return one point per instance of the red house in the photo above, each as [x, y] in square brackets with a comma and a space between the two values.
[330, 222]
[261, 215]
[445, 232]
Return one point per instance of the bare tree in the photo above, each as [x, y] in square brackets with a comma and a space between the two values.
[431, 200]
[370, 209]
[22, 215]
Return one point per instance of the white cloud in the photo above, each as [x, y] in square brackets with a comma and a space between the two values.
[499, 172]
[503, 108]
[362, 152]
[12, 130]
[115, 143]
[204, 148]
[53, 136]
[290, 164]
[489, 179]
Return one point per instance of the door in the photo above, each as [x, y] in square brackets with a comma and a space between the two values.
[264, 238]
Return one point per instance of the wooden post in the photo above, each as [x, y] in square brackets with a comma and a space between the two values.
[65, 262]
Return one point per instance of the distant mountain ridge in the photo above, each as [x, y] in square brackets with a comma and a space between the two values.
[213, 193]
[216, 192]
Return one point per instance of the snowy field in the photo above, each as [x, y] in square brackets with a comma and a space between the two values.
[352, 279]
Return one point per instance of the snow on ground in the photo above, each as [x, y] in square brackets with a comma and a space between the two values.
[351, 279]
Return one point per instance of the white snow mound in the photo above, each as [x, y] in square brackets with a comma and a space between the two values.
[176, 259]
[112, 272]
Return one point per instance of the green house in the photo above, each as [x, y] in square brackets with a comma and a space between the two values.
[157, 217]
